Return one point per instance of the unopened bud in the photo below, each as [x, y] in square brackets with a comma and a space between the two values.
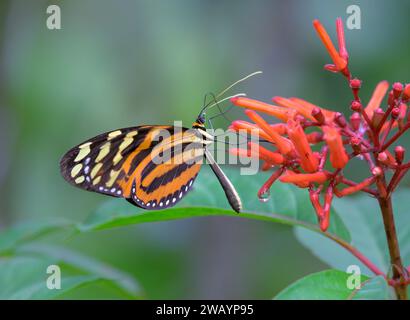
[390, 99]
[340, 120]
[382, 157]
[356, 105]
[397, 89]
[377, 117]
[318, 115]
[356, 142]
[386, 158]
[299, 118]
[315, 137]
[355, 83]
[399, 154]
[395, 113]
[406, 92]
[355, 120]
[377, 171]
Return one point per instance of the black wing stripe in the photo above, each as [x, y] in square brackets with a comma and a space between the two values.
[167, 155]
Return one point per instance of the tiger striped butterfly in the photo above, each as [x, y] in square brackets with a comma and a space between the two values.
[152, 167]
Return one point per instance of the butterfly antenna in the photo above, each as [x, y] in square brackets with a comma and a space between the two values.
[227, 98]
[215, 98]
[237, 82]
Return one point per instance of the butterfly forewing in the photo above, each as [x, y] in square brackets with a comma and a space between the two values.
[151, 166]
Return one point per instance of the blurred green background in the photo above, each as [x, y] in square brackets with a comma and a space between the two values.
[125, 63]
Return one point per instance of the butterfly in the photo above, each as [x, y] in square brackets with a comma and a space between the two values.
[151, 166]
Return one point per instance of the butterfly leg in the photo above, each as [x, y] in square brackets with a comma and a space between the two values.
[230, 192]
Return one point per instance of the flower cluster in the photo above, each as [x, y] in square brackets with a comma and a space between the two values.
[313, 145]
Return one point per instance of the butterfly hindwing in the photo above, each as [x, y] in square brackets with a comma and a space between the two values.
[162, 185]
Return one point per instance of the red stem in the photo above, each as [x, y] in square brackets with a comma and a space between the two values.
[395, 137]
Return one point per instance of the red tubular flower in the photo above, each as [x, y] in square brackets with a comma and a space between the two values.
[370, 135]
[274, 158]
[377, 98]
[258, 152]
[338, 155]
[287, 103]
[353, 189]
[341, 39]
[324, 220]
[304, 178]
[266, 186]
[340, 63]
[253, 129]
[329, 115]
[314, 199]
[284, 145]
[280, 128]
[308, 161]
[278, 112]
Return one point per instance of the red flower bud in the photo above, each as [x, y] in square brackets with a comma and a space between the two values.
[318, 115]
[356, 142]
[395, 113]
[340, 119]
[315, 137]
[390, 99]
[386, 158]
[377, 117]
[355, 121]
[399, 154]
[355, 83]
[397, 89]
[356, 106]
[406, 92]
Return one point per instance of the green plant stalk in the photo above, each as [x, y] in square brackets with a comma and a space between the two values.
[386, 207]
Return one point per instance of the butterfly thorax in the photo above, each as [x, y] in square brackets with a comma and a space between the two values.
[200, 128]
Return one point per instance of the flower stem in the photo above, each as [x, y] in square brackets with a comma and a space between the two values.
[355, 252]
[393, 244]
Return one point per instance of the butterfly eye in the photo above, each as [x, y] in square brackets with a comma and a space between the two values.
[201, 118]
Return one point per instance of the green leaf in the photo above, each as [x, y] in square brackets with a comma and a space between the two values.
[362, 217]
[288, 205]
[374, 289]
[24, 277]
[28, 231]
[324, 285]
[84, 265]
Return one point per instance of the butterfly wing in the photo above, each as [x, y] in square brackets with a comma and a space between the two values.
[132, 163]
[161, 183]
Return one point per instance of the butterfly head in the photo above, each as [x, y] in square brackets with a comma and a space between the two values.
[201, 118]
[200, 121]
